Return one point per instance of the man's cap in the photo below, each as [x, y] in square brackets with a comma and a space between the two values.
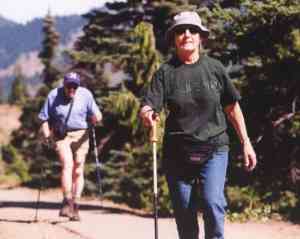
[186, 18]
[72, 77]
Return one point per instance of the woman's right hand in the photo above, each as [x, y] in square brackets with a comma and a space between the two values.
[148, 116]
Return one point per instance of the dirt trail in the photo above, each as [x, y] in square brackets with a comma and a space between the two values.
[105, 220]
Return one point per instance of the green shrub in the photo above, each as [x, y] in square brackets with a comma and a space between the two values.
[14, 164]
[246, 203]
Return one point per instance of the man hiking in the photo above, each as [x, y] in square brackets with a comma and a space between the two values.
[66, 115]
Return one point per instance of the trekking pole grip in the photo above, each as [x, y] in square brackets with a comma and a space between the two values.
[153, 133]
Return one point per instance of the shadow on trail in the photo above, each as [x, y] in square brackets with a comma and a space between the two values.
[44, 205]
[17, 221]
[27, 221]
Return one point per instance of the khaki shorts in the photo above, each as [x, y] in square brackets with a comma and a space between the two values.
[78, 141]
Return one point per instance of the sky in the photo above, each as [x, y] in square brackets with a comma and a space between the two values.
[22, 11]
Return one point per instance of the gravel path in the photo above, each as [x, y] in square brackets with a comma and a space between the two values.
[105, 220]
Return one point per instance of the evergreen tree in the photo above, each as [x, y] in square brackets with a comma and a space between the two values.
[41, 161]
[262, 39]
[49, 49]
[130, 152]
[18, 94]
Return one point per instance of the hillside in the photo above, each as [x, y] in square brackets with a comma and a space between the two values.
[9, 121]
[19, 42]
[5, 23]
[16, 39]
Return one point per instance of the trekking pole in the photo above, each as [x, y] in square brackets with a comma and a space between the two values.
[39, 192]
[38, 203]
[154, 151]
[97, 162]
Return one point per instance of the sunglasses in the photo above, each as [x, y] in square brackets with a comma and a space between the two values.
[182, 29]
[71, 86]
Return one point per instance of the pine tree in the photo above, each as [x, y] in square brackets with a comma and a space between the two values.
[27, 138]
[49, 49]
[18, 93]
[133, 155]
[263, 39]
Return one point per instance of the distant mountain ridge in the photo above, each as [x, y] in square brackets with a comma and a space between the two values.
[18, 38]
[20, 44]
[5, 22]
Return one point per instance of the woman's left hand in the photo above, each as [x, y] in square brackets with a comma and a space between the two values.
[249, 156]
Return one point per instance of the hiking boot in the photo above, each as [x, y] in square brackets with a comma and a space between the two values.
[75, 216]
[67, 208]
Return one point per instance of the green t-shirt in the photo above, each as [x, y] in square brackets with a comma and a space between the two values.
[194, 96]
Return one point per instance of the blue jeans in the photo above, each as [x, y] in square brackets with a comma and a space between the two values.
[207, 179]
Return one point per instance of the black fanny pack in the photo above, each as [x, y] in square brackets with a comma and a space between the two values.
[197, 153]
[189, 151]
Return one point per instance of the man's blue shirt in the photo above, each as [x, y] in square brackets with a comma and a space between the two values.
[56, 108]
